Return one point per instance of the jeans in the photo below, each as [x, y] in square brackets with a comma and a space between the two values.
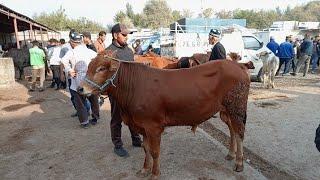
[286, 65]
[81, 102]
[87, 103]
[314, 60]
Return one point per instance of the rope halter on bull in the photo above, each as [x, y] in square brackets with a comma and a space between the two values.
[108, 81]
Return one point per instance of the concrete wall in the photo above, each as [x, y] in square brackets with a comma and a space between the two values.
[7, 72]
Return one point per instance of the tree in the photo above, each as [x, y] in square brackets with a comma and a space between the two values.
[120, 16]
[129, 11]
[186, 13]
[176, 15]
[224, 14]
[207, 13]
[157, 14]
[58, 20]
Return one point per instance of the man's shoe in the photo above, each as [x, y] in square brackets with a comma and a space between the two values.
[93, 121]
[41, 90]
[120, 151]
[137, 143]
[31, 90]
[85, 126]
[286, 74]
[293, 74]
[313, 72]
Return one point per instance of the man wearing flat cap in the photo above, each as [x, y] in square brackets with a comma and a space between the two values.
[121, 50]
[218, 51]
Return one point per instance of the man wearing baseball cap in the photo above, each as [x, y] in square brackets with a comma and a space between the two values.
[121, 50]
[218, 51]
[76, 63]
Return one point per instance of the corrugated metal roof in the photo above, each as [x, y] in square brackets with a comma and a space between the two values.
[23, 22]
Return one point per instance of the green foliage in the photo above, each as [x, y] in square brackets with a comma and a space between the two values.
[176, 15]
[58, 20]
[207, 13]
[157, 14]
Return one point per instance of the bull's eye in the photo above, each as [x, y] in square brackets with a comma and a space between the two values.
[100, 69]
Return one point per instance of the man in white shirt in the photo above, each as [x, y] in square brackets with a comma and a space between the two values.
[55, 61]
[76, 63]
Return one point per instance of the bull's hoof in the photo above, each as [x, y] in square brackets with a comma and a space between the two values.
[143, 173]
[238, 168]
[154, 177]
[229, 157]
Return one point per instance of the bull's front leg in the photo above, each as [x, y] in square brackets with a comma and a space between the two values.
[146, 170]
[155, 139]
[265, 79]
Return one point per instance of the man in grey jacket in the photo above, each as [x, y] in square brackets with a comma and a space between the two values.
[306, 51]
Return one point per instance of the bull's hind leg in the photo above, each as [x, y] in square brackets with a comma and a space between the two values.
[232, 146]
[239, 128]
[236, 107]
[146, 170]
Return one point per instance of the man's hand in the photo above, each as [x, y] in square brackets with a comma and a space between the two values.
[72, 73]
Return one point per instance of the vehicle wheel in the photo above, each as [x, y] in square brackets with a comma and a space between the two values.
[259, 76]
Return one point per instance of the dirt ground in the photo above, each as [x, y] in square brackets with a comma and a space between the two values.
[39, 139]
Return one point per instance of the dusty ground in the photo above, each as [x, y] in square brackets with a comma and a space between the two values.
[39, 139]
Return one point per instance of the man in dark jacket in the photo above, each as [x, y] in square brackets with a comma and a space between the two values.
[273, 45]
[218, 51]
[122, 51]
[285, 54]
[306, 51]
[88, 42]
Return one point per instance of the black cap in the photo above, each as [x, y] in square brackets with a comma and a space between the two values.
[120, 28]
[75, 37]
[86, 34]
[215, 32]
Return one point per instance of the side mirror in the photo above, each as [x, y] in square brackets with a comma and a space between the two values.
[261, 44]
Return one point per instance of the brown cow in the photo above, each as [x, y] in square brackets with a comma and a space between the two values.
[151, 99]
[155, 60]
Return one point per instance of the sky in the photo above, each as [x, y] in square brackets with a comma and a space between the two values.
[103, 11]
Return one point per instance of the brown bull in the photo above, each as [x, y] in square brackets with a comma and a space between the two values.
[151, 99]
[155, 60]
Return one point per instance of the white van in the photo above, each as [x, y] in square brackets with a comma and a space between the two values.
[245, 44]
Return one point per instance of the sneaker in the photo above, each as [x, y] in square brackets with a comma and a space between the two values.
[137, 143]
[85, 126]
[74, 114]
[41, 90]
[93, 121]
[293, 74]
[31, 90]
[285, 74]
[120, 151]
[313, 72]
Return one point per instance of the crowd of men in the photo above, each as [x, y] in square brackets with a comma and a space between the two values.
[69, 63]
[294, 53]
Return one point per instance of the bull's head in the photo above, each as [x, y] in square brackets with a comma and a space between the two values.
[100, 75]
[264, 55]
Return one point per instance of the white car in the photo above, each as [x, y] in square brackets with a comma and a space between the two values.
[253, 46]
